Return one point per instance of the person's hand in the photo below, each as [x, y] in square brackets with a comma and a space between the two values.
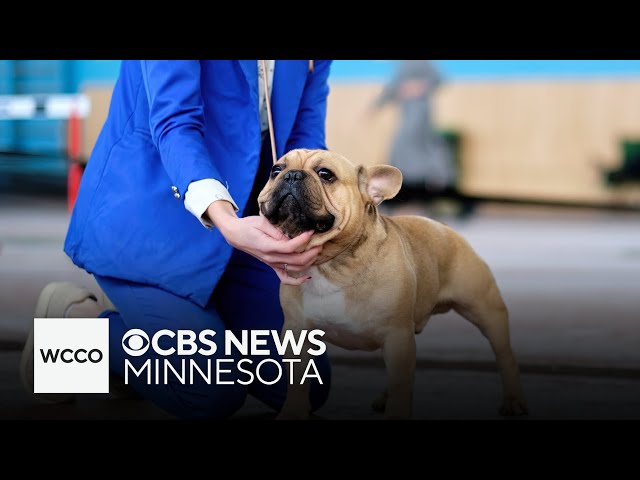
[257, 237]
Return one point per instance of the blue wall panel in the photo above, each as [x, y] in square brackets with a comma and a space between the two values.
[106, 71]
[6, 88]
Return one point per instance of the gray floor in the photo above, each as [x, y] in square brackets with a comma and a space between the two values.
[570, 279]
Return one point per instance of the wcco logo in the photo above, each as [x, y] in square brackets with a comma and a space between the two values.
[67, 355]
[71, 355]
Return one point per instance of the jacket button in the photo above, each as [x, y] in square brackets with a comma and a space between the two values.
[174, 188]
[176, 195]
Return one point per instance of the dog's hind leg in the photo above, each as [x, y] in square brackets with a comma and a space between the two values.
[488, 312]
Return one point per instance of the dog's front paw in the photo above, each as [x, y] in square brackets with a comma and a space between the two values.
[514, 406]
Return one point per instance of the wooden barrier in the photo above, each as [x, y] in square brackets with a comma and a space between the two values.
[532, 140]
[520, 139]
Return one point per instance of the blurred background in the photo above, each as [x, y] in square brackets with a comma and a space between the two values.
[536, 163]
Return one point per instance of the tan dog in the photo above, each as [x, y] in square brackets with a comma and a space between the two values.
[378, 279]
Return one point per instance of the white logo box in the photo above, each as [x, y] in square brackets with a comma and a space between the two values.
[81, 350]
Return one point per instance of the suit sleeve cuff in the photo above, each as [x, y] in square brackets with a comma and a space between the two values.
[202, 193]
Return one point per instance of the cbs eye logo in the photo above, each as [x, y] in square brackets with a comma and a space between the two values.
[135, 342]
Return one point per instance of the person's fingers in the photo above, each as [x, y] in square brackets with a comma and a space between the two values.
[311, 261]
[296, 281]
[288, 279]
[269, 245]
[298, 242]
[286, 246]
[298, 259]
[295, 268]
[270, 230]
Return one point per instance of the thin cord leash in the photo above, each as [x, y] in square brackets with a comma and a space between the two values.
[268, 100]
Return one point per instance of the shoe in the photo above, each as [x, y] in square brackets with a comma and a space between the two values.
[104, 301]
[53, 302]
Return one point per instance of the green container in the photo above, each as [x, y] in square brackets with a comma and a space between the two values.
[630, 152]
[454, 141]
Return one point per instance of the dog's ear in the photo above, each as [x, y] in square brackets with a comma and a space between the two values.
[380, 182]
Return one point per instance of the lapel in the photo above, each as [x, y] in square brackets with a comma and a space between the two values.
[250, 70]
[289, 78]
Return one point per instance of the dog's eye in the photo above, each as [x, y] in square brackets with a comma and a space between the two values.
[326, 174]
[276, 170]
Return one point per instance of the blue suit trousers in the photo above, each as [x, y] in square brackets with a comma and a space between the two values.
[246, 298]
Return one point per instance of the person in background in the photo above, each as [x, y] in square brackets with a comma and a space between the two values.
[167, 219]
[418, 150]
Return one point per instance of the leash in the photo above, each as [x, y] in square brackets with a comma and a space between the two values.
[269, 116]
[268, 100]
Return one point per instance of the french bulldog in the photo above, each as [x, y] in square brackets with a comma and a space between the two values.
[378, 279]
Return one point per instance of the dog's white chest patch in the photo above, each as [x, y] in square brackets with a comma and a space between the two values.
[323, 301]
[325, 307]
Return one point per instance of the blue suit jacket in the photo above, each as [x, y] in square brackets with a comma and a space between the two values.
[171, 123]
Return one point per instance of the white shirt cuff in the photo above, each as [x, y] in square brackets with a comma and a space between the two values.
[201, 194]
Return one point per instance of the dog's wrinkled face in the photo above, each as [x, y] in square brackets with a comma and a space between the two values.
[321, 190]
[302, 192]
